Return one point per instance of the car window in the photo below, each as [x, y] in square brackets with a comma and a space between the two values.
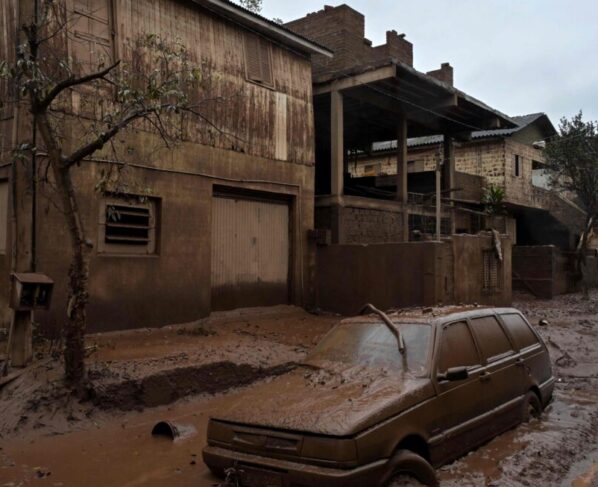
[519, 330]
[457, 348]
[372, 344]
[491, 337]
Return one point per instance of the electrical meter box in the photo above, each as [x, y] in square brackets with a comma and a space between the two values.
[31, 291]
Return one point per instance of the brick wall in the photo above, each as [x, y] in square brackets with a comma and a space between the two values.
[364, 226]
[444, 74]
[485, 159]
[342, 30]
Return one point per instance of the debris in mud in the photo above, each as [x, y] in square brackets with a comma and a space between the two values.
[173, 431]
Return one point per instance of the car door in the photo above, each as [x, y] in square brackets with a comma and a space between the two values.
[533, 361]
[502, 369]
[461, 405]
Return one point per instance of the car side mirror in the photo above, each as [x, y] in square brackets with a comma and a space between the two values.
[454, 374]
[543, 323]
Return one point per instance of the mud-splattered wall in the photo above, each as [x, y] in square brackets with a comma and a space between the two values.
[410, 274]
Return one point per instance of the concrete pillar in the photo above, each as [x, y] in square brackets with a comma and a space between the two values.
[448, 173]
[21, 339]
[402, 174]
[337, 143]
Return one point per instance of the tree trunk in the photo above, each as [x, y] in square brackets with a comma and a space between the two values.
[74, 329]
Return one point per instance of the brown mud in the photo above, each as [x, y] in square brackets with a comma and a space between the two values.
[115, 448]
[147, 368]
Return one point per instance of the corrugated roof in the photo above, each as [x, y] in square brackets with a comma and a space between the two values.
[522, 121]
[252, 20]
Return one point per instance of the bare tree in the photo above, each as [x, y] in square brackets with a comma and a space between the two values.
[119, 95]
[572, 162]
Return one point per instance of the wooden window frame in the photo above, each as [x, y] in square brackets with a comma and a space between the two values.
[149, 249]
[518, 166]
[263, 45]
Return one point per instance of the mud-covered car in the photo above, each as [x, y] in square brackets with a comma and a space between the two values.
[384, 396]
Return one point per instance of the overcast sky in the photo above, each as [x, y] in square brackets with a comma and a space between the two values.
[519, 56]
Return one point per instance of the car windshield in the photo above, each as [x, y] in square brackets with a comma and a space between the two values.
[373, 344]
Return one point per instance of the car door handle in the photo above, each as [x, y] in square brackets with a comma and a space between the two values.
[519, 363]
[484, 376]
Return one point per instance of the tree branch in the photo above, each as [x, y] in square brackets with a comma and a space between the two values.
[69, 83]
[106, 136]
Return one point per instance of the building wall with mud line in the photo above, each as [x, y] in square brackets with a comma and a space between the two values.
[265, 144]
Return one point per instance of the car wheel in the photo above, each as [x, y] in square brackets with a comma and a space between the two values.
[532, 408]
[407, 464]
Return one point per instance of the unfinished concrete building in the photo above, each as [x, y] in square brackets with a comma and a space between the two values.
[510, 159]
[367, 94]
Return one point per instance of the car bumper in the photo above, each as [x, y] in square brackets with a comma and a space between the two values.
[291, 474]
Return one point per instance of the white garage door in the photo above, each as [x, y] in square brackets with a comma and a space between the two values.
[250, 252]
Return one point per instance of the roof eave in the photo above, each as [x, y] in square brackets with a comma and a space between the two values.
[264, 26]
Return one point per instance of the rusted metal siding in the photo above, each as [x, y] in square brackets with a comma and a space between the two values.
[3, 215]
[273, 121]
[250, 253]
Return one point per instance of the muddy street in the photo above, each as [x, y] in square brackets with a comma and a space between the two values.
[115, 448]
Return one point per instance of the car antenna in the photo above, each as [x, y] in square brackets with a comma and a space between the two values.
[391, 325]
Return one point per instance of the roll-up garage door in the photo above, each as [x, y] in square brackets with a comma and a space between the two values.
[250, 252]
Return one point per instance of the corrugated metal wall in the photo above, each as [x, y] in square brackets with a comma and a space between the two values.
[250, 253]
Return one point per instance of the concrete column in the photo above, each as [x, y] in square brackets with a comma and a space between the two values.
[402, 174]
[448, 173]
[337, 143]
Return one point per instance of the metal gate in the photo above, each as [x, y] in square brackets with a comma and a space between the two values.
[250, 252]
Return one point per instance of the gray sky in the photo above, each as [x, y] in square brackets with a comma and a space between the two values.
[519, 56]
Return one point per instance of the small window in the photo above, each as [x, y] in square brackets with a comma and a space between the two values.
[128, 226]
[490, 272]
[491, 337]
[458, 348]
[517, 166]
[3, 215]
[520, 331]
[258, 59]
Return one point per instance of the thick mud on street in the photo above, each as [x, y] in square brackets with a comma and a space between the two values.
[116, 449]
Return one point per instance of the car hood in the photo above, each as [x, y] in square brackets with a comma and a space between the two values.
[335, 401]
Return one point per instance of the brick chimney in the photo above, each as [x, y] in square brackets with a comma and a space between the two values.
[444, 74]
[399, 48]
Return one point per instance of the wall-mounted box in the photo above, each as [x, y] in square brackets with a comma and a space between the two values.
[31, 291]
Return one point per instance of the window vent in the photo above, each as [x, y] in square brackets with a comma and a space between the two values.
[258, 59]
[128, 228]
[491, 280]
[127, 225]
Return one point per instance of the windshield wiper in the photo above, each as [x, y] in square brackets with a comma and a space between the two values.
[393, 327]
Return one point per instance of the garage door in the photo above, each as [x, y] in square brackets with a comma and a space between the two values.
[250, 252]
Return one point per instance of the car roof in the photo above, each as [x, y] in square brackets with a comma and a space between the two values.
[434, 315]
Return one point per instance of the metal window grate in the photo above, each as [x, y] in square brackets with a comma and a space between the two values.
[127, 225]
[491, 280]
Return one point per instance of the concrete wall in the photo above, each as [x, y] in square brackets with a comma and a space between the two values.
[386, 275]
[541, 270]
[408, 274]
[468, 251]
